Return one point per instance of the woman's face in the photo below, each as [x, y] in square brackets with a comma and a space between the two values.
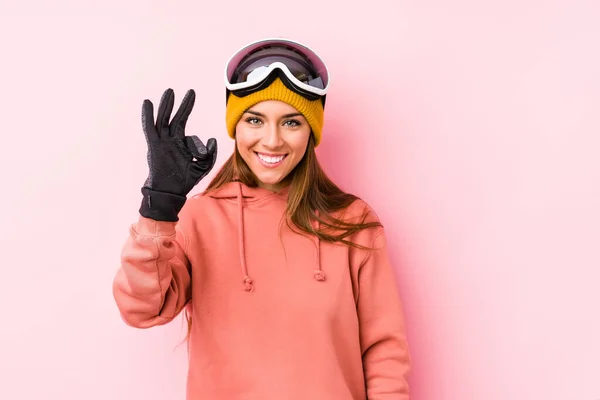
[272, 137]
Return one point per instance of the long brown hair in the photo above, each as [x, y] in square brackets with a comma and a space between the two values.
[312, 197]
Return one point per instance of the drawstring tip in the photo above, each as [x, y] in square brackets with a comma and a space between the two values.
[319, 275]
[248, 282]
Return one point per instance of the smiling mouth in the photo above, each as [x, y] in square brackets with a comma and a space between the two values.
[272, 160]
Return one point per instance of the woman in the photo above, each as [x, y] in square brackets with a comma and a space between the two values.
[285, 278]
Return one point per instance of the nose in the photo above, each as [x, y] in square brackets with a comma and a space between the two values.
[272, 138]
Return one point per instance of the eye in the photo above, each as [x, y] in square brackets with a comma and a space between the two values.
[292, 123]
[253, 121]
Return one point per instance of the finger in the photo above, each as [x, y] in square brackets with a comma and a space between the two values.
[196, 147]
[184, 111]
[211, 146]
[148, 120]
[202, 167]
[164, 112]
[206, 163]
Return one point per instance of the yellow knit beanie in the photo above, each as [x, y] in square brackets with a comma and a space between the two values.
[311, 109]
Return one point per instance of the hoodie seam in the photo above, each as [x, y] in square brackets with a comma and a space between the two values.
[369, 251]
[160, 291]
[154, 235]
[368, 254]
[181, 227]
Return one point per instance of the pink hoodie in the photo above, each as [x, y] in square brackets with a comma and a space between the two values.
[276, 315]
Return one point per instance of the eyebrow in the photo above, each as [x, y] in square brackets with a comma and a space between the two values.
[283, 116]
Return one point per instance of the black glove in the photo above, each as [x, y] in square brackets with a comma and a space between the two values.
[176, 162]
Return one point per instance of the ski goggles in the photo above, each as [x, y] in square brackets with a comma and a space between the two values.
[255, 66]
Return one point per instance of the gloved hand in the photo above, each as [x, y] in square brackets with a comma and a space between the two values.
[176, 162]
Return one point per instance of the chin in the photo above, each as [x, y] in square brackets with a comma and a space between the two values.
[269, 180]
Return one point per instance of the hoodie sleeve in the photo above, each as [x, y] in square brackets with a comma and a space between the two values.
[153, 283]
[385, 353]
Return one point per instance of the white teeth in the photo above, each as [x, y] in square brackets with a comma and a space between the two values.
[271, 160]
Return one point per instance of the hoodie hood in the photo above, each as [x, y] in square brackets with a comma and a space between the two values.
[244, 196]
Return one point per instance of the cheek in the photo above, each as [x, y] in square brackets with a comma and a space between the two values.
[244, 151]
[299, 143]
[244, 140]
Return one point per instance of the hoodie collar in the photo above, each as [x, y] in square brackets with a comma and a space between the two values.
[231, 190]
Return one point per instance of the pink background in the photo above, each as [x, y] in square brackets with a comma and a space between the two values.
[471, 127]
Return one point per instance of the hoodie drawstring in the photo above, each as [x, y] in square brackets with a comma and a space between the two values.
[247, 280]
[319, 274]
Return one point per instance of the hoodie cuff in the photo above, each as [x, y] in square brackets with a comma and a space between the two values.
[161, 206]
[150, 227]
